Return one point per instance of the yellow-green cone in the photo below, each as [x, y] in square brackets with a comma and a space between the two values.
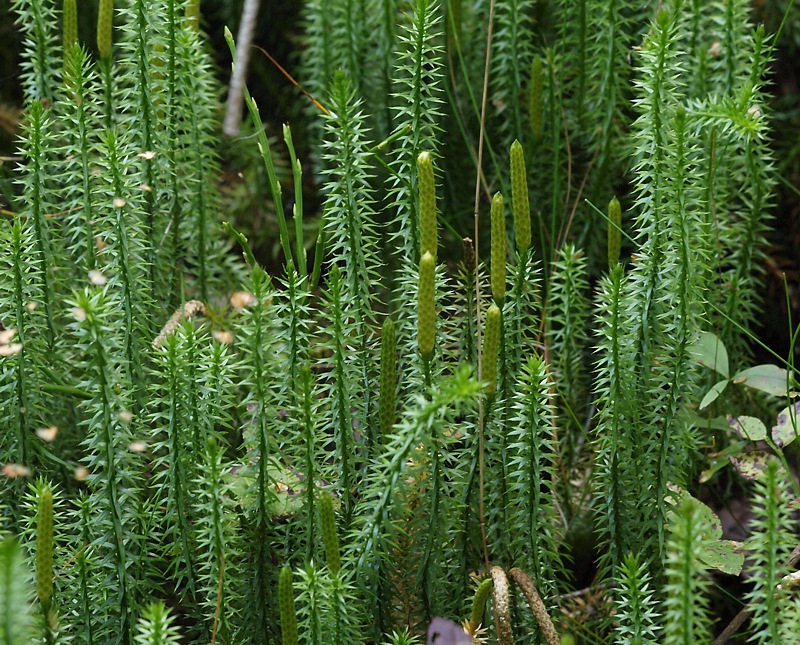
[44, 547]
[70, 30]
[330, 540]
[428, 234]
[105, 21]
[193, 14]
[426, 307]
[519, 198]
[491, 346]
[287, 607]
[498, 268]
[479, 604]
[614, 231]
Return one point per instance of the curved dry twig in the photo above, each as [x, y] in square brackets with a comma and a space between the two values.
[525, 583]
[502, 609]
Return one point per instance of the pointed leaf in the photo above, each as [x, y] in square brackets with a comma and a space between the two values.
[751, 464]
[748, 427]
[766, 378]
[710, 351]
[715, 465]
[786, 429]
[713, 393]
[718, 461]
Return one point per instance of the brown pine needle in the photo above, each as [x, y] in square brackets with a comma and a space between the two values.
[292, 81]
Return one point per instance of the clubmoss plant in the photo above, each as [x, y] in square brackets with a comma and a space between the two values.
[225, 432]
[16, 593]
[771, 547]
[637, 619]
[156, 626]
[686, 604]
[37, 22]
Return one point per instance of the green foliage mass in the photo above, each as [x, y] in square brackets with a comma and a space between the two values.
[332, 453]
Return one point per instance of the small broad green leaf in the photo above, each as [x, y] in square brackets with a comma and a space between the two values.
[715, 465]
[723, 555]
[713, 393]
[718, 461]
[785, 431]
[286, 490]
[751, 464]
[704, 513]
[710, 351]
[715, 423]
[766, 378]
[748, 427]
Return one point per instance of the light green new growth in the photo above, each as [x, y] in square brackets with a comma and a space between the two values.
[686, 603]
[775, 528]
[520, 203]
[498, 274]
[428, 235]
[426, 307]
[157, 626]
[479, 603]
[491, 345]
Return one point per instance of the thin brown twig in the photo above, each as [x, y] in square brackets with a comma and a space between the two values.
[451, 70]
[218, 609]
[562, 239]
[272, 60]
[481, 510]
